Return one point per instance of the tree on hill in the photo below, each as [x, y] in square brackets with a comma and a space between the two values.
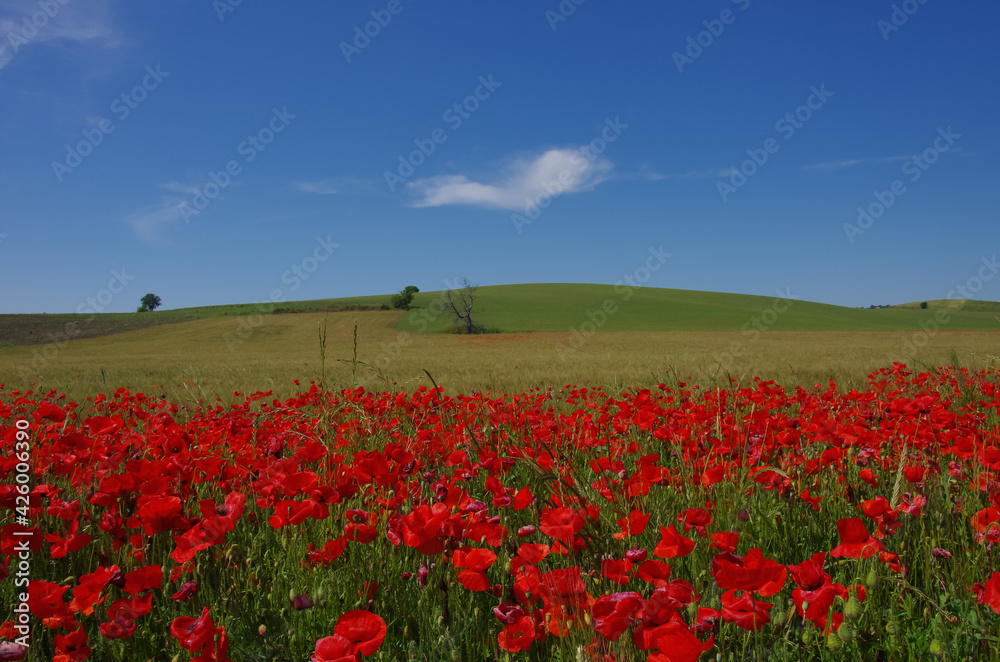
[461, 303]
[149, 302]
[403, 300]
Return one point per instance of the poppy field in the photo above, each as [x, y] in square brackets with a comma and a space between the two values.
[754, 522]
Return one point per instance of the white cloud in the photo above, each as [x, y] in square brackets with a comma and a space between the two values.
[553, 172]
[78, 20]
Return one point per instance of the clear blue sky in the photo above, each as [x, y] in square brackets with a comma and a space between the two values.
[636, 130]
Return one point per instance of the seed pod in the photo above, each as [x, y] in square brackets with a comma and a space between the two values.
[891, 629]
[852, 610]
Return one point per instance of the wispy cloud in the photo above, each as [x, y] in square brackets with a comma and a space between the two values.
[519, 181]
[337, 186]
[847, 163]
[149, 222]
[77, 21]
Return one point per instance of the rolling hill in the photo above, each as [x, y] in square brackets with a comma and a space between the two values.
[549, 307]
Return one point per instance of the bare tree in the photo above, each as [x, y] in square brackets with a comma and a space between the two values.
[461, 302]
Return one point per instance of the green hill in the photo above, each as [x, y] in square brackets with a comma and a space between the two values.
[564, 306]
[549, 307]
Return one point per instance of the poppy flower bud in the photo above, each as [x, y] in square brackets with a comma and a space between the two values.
[846, 633]
[743, 515]
[526, 531]
[262, 630]
[941, 553]
[833, 642]
[300, 602]
[936, 648]
[636, 555]
[852, 610]
[117, 579]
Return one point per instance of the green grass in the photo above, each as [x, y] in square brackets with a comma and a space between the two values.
[564, 306]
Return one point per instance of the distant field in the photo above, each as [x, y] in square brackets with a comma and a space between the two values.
[555, 335]
[213, 357]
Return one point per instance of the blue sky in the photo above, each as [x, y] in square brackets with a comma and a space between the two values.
[205, 151]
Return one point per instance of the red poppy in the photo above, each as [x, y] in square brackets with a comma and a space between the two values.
[143, 579]
[632, 525]
[475, 558]
[517, 637]
[655, 572]
[676, 643]
[672, 543]
[989, 593]
[159, 513]
[473, 561]
[188, 590]
[193, 634]
[855, 543]
[331, 552]
[697, 518]
[745, 612]
[616, 571]
[45, 600]
[118, 629]
[725, 541]
[561, 523]
[814, 593]
[365, 629]
[879, 510]
[63, 546]
[72, 647]
[334, 649]
[49, 411]
[533, 552]
[422, 528]
[563, 586]
[750, 573]
[131, 608]
[613, 614]
[87, 593]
